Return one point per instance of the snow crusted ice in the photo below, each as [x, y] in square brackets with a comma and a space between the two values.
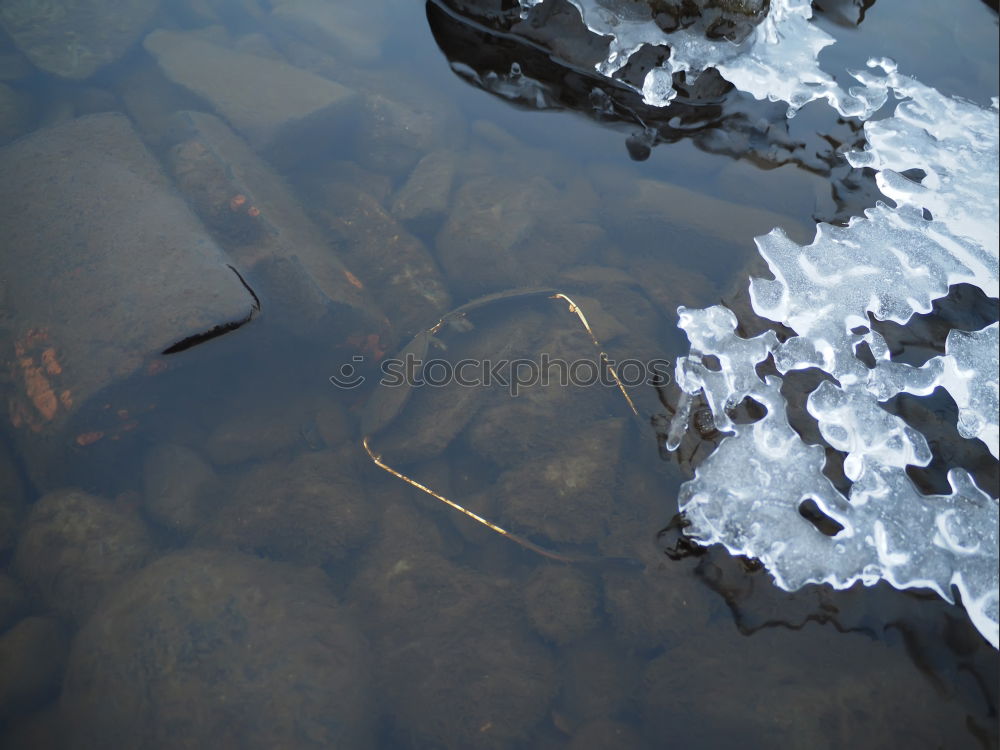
[890, 264]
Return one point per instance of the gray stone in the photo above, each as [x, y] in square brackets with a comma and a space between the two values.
[431, 622]
[309, 510]
[39, 730]
[12, 500]
[177, 485]
[286, 114]
[353, 30]
[396, 265]
[565, 495]
[13, 65]
[257, 44]
[151, 100]
[426, 194]
[607, 734]
[13, 602]
[74, 38]
[397, 128]
[506, 232]
[111, 269]
[251, 428]
[600, 680]
[195, 13]
[17, 113]
[425, 420]
[92, 100]
[561, 603]
[256, 217]
[75, 548]
[211, 649]
[32, 658]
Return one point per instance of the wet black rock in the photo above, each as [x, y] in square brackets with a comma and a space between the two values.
[77, 547]
[32, 658]
[208, 649]
[75, 38]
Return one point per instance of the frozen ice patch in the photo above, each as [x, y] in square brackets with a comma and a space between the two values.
[888, 265]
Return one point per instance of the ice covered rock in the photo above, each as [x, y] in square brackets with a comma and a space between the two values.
[776, 61]
[757, 493]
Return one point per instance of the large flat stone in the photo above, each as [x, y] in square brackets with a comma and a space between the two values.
[286, 114]
[105, 268]
[352, 30]
[73, 38]
[254, 215]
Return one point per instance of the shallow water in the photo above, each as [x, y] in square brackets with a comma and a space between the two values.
[241, 574]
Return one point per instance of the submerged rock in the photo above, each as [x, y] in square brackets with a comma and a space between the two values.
[759, 689]
[457, 666]
[74, 38]
[601, 681]
[403, 276]
[17, 113]
[123, 228]
[352, 30]
[566, 495]
[13, 65]
[285, 113]
[426, 418]
[657, 607]
[561, 603]
[213, 649]
[309, 510]
[607, 734]
[12, 500]
[75, 548]
[177, 484]
[257, 218]
[13, 602]
[506, 232]
[32, 658]
[425, 195]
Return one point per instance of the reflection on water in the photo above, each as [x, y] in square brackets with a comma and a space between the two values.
[195, 548]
